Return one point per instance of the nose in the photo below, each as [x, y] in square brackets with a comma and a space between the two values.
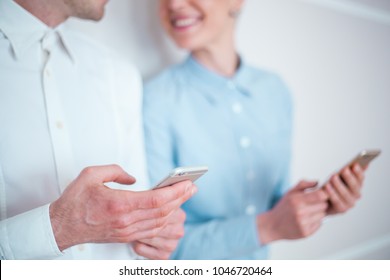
[175, 4]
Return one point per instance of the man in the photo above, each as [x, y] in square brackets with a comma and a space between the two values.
[66, 105]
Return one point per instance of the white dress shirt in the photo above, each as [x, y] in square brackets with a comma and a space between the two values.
[65, 104]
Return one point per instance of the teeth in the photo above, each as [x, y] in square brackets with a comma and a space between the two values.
[184, 22]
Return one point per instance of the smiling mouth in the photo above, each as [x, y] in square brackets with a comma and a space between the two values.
[184, 23]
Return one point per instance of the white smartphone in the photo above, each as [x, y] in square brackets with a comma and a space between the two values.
[180, 174]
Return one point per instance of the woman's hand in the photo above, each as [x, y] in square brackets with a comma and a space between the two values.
[344, 189]
[298, 214]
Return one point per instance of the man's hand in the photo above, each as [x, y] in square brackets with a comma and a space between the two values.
[90, 212]
[162, 246]
[344, 189]
[298, 214]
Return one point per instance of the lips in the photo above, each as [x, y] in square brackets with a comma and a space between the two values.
[185, 23]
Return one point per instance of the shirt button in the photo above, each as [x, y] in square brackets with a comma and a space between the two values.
[47, 72]
[237, 108]
[81, 247]
[59, 125]
[250, 209]
[245, 142]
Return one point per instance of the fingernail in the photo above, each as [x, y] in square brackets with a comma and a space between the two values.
[194, 190]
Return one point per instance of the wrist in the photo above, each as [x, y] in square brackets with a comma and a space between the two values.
[58, 225]
[265, 228]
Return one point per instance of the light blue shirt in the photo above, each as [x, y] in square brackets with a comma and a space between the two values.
[239, 127]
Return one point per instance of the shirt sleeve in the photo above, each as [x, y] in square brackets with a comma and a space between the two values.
[28, 236]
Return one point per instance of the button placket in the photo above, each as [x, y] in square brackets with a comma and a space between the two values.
[55, 116]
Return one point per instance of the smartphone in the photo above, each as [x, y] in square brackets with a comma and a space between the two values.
[180, 174]
[364, 158]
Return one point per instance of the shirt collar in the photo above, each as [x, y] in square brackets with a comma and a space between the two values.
[240, 80]
[23, 29]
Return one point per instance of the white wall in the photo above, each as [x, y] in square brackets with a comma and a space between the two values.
[335, 56]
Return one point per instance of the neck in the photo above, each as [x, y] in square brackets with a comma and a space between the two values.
[50, 12]
[220, 57]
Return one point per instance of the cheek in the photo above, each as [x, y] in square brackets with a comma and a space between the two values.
[213, 27]
[164, 19]
[197, 39]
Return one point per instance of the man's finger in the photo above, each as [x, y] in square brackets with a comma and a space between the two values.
[169, 209]
[108, 173]
[159, 197]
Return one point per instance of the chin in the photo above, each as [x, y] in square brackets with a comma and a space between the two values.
[99, 17]
[91, 15]
[99, 14]
[186, 44]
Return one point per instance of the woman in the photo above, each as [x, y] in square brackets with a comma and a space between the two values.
[216, 110]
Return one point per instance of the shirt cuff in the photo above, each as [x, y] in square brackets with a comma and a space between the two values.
[251, 239]
[29, 236]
